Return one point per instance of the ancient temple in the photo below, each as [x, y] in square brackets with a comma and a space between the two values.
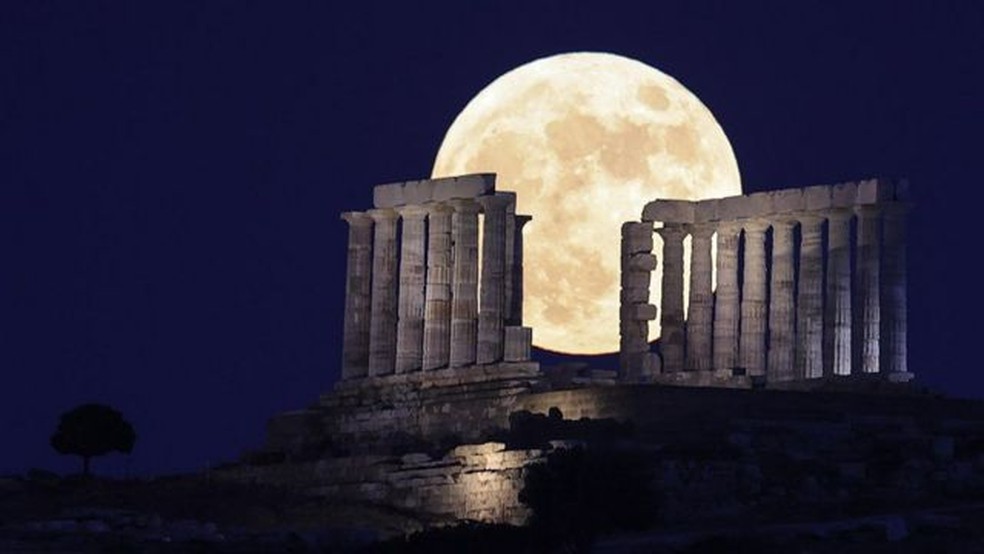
[414, 299]
[811, 282]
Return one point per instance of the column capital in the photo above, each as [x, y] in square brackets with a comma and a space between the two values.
[756, 226]
[434, 208]
[672, 231]
[499, 200]
[731, 227]
[868, 210]
[809, 219]
[356, 218]
[383, 214]
[839, 215]
[702, 230]
[784, 223]
[412, 211]
[465, 205]
[522, 220]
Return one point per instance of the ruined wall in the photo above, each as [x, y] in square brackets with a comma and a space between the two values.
[478, 482]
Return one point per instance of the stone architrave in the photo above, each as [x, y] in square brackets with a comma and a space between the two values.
[382, 327]
[809, 304]
[837, 317]
[754, 310]
[781, 306]
[893, 295]
[464, 295]
[700, 314]
[358, 295]
[492, 289]
[671, 319]
[516, 274]
[437, 294]
[868, 318]
[410, 325]
[726, 298]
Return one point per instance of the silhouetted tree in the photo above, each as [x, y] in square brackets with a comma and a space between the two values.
[92, 430]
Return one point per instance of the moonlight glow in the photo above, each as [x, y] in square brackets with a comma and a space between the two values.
[586, 139]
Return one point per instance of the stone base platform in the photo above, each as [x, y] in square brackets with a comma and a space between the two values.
[396, 413]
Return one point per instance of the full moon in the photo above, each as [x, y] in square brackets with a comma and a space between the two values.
[586, 140]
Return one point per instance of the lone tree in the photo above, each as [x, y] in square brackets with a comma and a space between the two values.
[93, 430]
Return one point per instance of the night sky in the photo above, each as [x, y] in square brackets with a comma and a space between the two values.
[171, 176]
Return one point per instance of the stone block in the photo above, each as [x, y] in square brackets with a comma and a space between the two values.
[873, 191]
[843, 195]
[464, 186]
[788, 200]
[817, 197]
[639, 312]
[518, 343]
[635, 294]
[388, 196]
[737, 207]
[706, 210]
[669, 211]
[418, 192]
[637, 237]
[633, 278]
[643, 262]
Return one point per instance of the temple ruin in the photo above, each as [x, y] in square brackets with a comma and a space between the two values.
[414, 299]
[820, 289]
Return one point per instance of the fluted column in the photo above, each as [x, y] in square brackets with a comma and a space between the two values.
[753, 300]
[358, 288]
[893, 295]
[382, 328]
[868, 331]
[809, 304]
[464, 296]
[726, 297]
[671, 342]
[410, 325]
[781, 306]
[516, 274]
[837, 320]
[492, 290]
[437, 294]
[700, 313]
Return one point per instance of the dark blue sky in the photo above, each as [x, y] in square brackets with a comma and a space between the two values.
[171, 176]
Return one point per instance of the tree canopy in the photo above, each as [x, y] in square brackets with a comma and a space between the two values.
[93, 430]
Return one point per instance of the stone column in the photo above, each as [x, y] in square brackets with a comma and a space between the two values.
[437, 295]
[672, 337]
[726, 297]
[382, 329]
[358, 288]
[753, 299]
[868, 329]
[700, 314]
[837, 320]
[516, 274]
[492, 290]
[464, 294]
[893, 296]
[781, 306]
[809, 304]
[510, 257]
[635, 311]
[410, 325]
